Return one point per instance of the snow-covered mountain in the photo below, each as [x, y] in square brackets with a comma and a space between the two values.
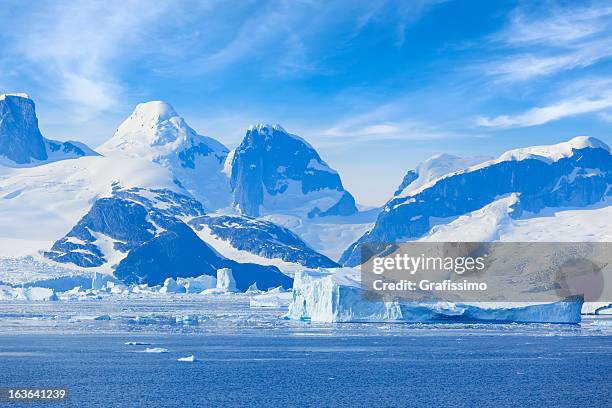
[140, 236]
[577, 173]
[262, 238]
[22, 144]
[434, 168]
[273, 171]
[99, 212]
[155, 132]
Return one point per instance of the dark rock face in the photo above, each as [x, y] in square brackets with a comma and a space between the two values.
[20, 138]
[271, 162]
[178, 252]
[578, 180]
[263, 238]
[410, 176]
[21, 141]
[143, 230]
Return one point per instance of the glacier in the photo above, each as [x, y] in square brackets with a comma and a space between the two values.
[329, 298]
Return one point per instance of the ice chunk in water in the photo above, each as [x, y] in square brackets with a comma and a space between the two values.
[154, 350]
[225, 280]
[329, 299]
[170, 286]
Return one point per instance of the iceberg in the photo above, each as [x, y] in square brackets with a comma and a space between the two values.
[28, 294]
[170, 286]
[331, 298]
[154, 350]
[225, 280]
[197, 285]
[225, 283]
[276, 297]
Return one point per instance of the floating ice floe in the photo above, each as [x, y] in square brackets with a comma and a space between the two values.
[187, 319]
[276, 297]
[332, 298]
[253, 289]
[188, 359]
[197, 285]
[154, 350]
[115, 288]
[29, 294]
[170, 286]
[225, 282]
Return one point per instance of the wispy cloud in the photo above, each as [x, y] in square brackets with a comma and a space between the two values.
[545, 114]
[73, 49]
[391, 121]
[584, 96]
[553, 40]
[544, 44]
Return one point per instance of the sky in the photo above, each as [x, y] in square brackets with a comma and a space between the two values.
[375, 86]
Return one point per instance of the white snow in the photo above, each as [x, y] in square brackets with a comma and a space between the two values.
[436, 167]
[320, 166]
[227, 165]
[553, 152]
[156, 133]
[52, 198]
[18, 94]
[329, 236]
[493, 223]
[225, 248]
[548, 154]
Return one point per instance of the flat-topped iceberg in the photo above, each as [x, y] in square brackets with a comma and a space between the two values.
[336, 298]
[28, 294]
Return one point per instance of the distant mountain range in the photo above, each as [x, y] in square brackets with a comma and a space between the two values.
[159, 200]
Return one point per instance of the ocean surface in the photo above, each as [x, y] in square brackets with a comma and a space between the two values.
[251, 357]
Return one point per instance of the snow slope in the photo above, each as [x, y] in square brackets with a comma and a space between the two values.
[433, 169]
[40, 204]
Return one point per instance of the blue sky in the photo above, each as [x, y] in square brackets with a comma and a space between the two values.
[375, 86]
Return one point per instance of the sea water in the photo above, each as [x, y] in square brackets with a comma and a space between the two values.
[252, 357]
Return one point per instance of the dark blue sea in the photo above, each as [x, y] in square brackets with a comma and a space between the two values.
[253, 358]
